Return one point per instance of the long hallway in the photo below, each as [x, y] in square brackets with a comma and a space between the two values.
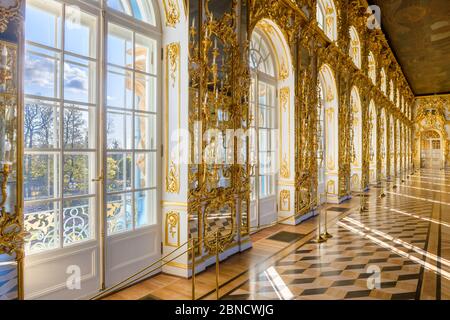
[398, 249]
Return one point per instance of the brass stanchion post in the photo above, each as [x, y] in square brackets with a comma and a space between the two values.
[320, 238]
[217, 264]
[382, 193]
[193, 268]
[326, 235]
[362, 202]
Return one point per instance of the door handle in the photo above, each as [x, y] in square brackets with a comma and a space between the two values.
[99, 178]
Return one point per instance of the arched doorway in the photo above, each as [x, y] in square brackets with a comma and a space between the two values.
[431, 154]
[328, 132]
[356, 135]
[271, 114]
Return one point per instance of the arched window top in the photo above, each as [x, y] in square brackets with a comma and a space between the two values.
[261, 56]
[355, 47]
[355, 100]
[383, 81]
[372, 73]
[141, 10]
[327, 84]
[327, 18]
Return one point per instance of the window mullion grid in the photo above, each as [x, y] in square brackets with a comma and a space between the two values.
[61, 128]
[133, 142]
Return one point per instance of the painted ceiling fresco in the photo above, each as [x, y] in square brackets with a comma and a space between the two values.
[419, 33]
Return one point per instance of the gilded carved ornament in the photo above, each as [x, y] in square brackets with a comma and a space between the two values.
[172, 11]
[9, 10]
[285, 200]
[172, 179]
[172, 229]
[173, 54]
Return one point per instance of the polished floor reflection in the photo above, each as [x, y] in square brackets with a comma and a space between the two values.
[399, 249]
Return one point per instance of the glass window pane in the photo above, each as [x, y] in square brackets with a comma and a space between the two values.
[262, 94]
[77, 223]
[119, 130]
[145, 51]
[140, 10]
[118, 172]
[145, 93]
[119, 88]
[79, 128]
[43, 22]
[118, 215]
[42, 72]
[41, 125]
[145, 170]
[77, 178]
[270, 95]
[145, 203]
[41, 176]
[79, 80]
[120, 46]
[145, 131]
[42, 222]
[80, 32]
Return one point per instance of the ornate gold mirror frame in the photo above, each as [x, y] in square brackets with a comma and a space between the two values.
[11, 232]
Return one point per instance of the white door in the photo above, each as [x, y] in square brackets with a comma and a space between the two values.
[132, 215]
[61, 152]
[263, 207]
[91, 134]
[431, 154]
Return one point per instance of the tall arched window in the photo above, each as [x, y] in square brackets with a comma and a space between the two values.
[263, 104]
[356, 139]
[355, 47]
[329, 131]
[391, 90]
[372, 69]
[383, 81]
[383, 143]
[327, 18]
[90, 158]
[140, 10]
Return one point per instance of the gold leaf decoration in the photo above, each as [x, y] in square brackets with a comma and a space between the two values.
[172, 11]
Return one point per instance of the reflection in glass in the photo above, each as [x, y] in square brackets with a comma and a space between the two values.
[118, 214]
[145, 170]
[118, 172]
[145, 202]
